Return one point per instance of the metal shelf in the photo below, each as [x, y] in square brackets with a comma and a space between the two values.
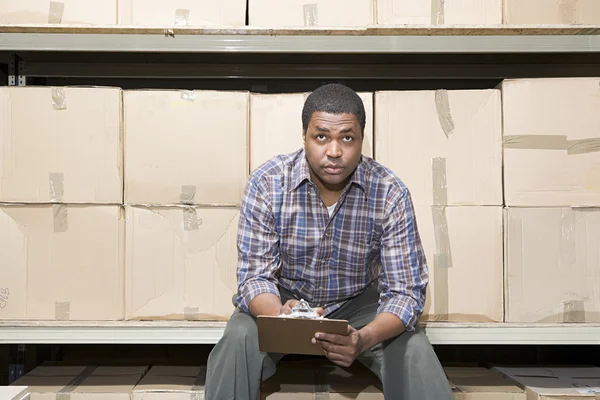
[382, 40]
[177, 332]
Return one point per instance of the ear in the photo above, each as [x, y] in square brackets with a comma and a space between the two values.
[303, 136]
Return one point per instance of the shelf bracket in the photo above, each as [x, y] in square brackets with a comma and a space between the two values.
[16, 71]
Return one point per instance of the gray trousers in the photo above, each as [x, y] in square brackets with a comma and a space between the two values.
[406, 365]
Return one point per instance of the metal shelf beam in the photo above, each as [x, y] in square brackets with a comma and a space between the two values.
[164, 332]
[353, 44]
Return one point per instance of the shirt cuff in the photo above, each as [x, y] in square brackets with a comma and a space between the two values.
[402, 308]
[252, 288]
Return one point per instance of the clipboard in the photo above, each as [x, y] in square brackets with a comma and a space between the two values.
[294, 335]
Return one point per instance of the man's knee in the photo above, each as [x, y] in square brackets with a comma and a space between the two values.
[241, 328]
[411, 347]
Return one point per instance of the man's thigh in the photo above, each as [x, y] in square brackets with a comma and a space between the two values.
[361, 310]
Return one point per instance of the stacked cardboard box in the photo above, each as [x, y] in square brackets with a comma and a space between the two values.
[299, 13]
[552, 192]
[206, 13]
[309, 380]
[544, 383]
[171, 382]
[551, 12]
[61, 223]
[481, 384]
[186, 162]
[81, 382]
[94, 12]
[446, 147]
[276, 125]
[439, 12]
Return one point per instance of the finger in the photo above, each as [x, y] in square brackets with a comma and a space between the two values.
[333, 348]
[320, 311]
[338, 359]
[351, 329]
[332, 338]
[291, 303]
[286, 309]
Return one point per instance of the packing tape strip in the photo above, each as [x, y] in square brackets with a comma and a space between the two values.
[65, 392]
[190, 219]
[583, 146]
[438, 12]
[567, 10]
[540, 142]
[568, 239]
[62, 311]
[55, 14]
[57, 187]
[439, 181]
[442, 262]
[182, 17]
[188, 193]
[197, 391]
[59, 98]
[442, 105]
[188, 95]
[60, 217]
[321, 386]
[311, 15]
[191, 313]
[574, 311]
[552, 142]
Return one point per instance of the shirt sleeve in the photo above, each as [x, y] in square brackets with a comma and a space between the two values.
[404, 277]
[258, 247]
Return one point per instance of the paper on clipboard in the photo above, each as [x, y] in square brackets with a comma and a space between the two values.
[294, 335]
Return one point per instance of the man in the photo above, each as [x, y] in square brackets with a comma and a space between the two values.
[337, 229]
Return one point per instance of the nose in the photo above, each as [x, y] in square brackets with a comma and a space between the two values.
[334, 150]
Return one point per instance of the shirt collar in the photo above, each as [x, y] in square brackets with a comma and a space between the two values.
[300, 173]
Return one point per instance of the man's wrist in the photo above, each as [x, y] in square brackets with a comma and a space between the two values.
[367, 339]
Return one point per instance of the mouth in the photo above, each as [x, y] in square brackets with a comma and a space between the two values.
[333, 169]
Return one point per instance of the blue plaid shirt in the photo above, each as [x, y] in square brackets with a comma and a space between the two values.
[287, 238]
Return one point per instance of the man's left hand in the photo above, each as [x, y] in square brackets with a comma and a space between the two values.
[341, 349]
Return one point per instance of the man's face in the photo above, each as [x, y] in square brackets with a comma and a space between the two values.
[333, 145]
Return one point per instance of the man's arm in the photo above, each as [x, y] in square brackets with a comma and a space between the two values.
[258, 253]
[402, 288]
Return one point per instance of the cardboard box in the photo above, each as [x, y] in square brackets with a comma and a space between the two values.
[551, 12]
[61, 145]
[303, 380]
[181, 263]
[542, 383]
[276, 125]
[438, 12]
[552, 265]
[551, 142]
[91, 383]
[61, 262]
[446, 146]
[185, 146]
[205, 13]
[481, 384]
[171, 383]
[316, 13]
[462, 244]
[13, 392]
[97, 12]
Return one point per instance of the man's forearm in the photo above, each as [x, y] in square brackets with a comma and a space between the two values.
[385, 326]
[265, 304]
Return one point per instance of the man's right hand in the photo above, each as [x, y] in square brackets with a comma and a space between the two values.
[290, 304]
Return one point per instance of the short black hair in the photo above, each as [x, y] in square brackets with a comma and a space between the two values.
[334, 99]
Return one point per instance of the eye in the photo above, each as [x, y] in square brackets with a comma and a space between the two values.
[320, 137]
[348, 138]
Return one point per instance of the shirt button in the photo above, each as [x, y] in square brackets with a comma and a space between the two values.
[321, 288]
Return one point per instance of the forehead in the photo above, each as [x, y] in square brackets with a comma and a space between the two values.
[326, 119]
